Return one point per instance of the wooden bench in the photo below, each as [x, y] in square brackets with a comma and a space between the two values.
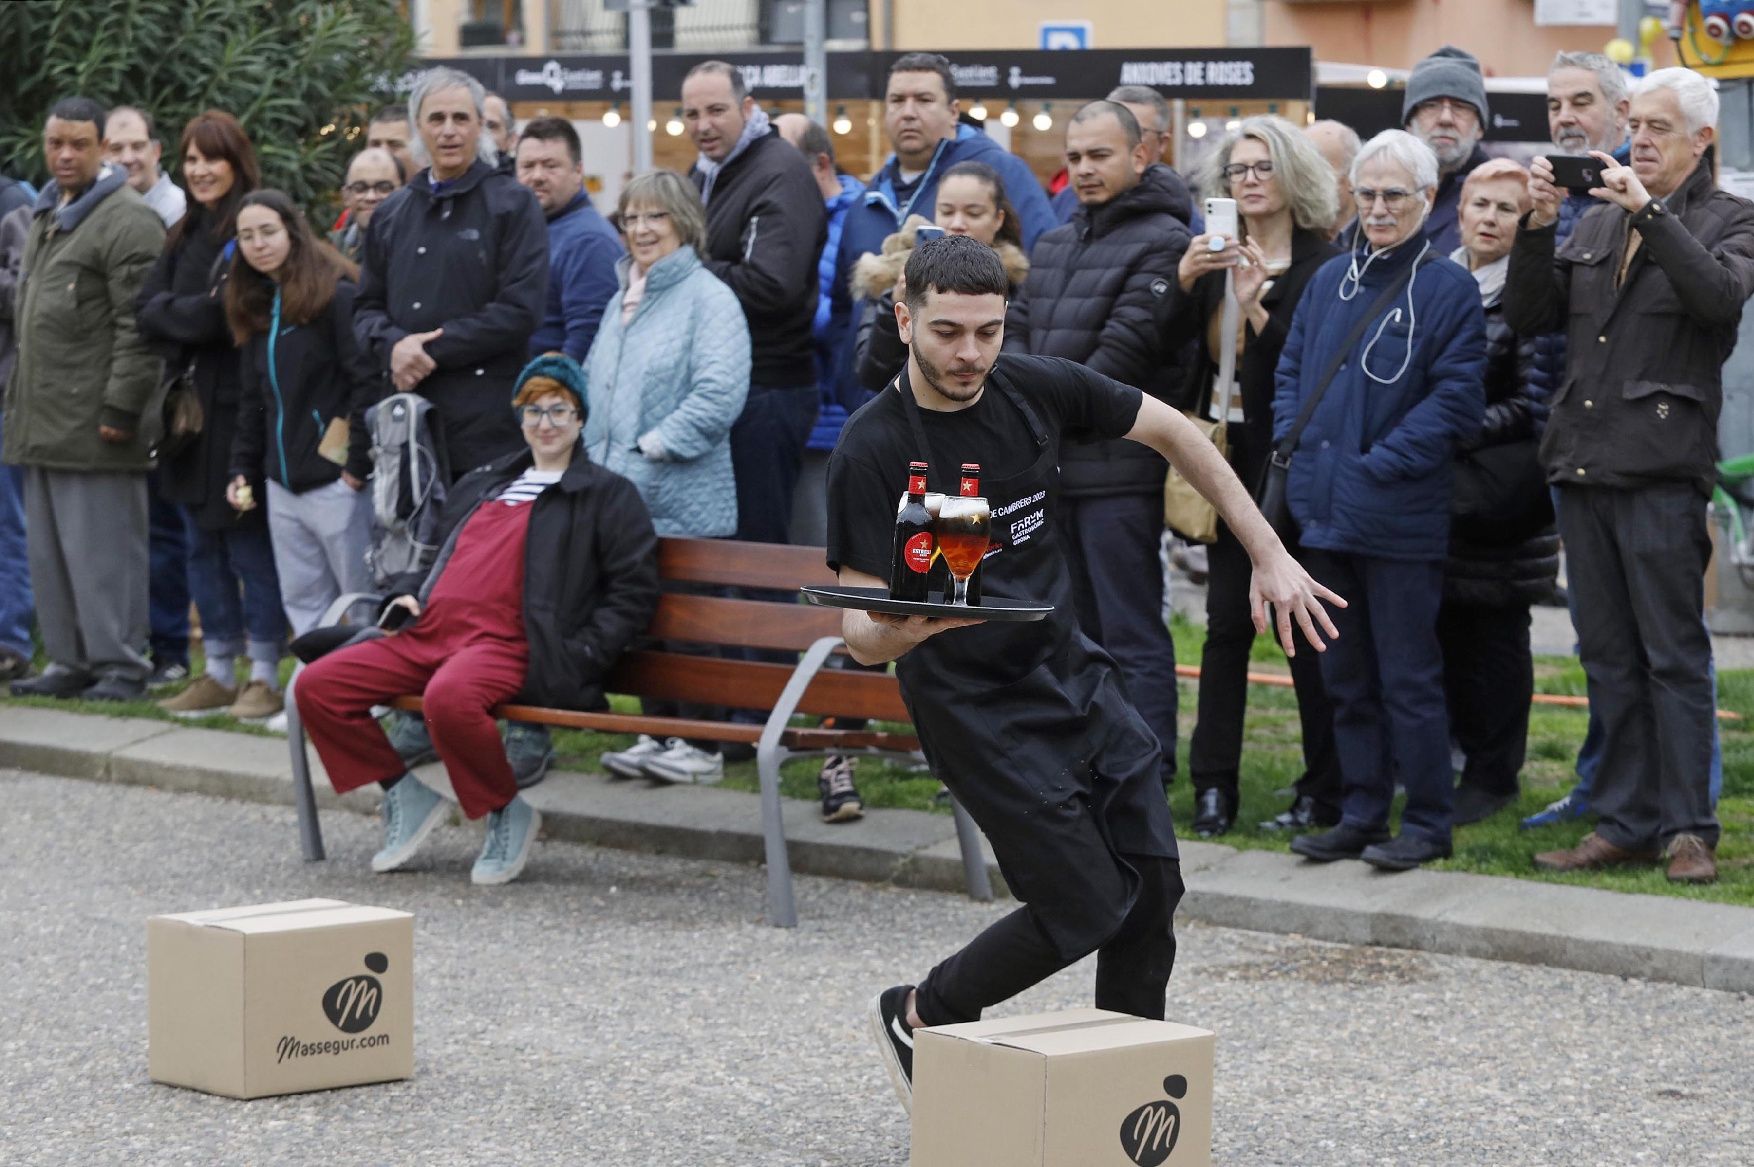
[659, 671]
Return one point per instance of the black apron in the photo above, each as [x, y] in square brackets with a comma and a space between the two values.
[1027, 724]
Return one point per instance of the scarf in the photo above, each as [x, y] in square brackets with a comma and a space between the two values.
[755, 127]
[1490, 278]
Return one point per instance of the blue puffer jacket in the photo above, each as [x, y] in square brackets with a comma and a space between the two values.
[679, 372]
[834, 317]
[1373, 472]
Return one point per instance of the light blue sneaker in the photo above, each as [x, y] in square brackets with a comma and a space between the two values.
[1572, 807]
[411, 810]
[511, 833]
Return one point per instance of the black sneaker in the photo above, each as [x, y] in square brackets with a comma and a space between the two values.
[1405, 852]
[895, 1040]
[167, 674]
[54, 681]
[113, 688]
[840, 798]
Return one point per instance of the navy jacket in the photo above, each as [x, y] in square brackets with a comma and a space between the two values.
[582, 251]
[1374, 471]
[1442, 226]
[834, 321]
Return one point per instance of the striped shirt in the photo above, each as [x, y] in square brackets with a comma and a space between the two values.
[528, 485]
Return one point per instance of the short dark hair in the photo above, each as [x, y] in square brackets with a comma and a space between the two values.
[80, 109]
[816, 141]
[927, 63]
[145, 119]
[1114, 109]
[553, 129]
[389, 113]
[957, 264]
[730, 72]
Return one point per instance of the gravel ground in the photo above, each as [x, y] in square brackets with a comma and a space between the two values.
[631, 1010]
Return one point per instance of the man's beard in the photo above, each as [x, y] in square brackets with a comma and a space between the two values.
[939, 379]
[1574, 142]
[1451, 157]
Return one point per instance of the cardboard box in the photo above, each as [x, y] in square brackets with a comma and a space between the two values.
[1083, 1088]
[280, 998]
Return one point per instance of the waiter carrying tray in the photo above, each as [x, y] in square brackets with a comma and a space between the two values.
[1027, 724]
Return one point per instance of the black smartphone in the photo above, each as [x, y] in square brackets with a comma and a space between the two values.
[393, 617]
[926, 232]
[1574, 173]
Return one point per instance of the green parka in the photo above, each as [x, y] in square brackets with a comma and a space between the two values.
[82, 362]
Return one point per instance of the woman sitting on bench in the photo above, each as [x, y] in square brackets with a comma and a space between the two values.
[546, 572]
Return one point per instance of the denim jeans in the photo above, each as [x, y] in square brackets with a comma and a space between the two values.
[231, 574]
[16, 604]
[170, 535]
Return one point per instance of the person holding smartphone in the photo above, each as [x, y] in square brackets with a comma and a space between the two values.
[1285, 192]
[547, 569]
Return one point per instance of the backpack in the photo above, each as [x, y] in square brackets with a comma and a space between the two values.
[409, 473]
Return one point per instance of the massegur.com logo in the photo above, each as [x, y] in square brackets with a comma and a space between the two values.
[1149, 1134]
[351, 1005]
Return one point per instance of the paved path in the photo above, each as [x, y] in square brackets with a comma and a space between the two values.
[630, 1011]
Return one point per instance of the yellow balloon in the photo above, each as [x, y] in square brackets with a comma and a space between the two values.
[1649, 29]
[1619, 50]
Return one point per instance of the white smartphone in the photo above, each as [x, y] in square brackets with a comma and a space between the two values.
[1221, 217]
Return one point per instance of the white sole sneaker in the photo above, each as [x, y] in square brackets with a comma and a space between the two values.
[518, 861]
[904, 1089]
[383, 863]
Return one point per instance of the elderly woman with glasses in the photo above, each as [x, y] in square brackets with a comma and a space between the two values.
[546, 571]
[1379, 381]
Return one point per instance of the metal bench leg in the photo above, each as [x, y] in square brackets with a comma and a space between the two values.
[782, 910]
[974, 867]
[310, 832]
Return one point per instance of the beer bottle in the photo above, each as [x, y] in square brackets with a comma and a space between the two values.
[971, 488]
[913, 540]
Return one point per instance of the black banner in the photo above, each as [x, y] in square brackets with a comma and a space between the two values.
[1516, 117]
[1191, 74]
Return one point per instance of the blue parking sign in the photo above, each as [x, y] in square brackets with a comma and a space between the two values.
[1065, 34]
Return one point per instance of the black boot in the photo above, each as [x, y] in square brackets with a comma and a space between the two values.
[1475, 805]
[1405, 852]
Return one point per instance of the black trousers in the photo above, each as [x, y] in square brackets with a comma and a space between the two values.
[1636, 566]
[1488, 678]
[1112, 546]
[1132, 965]
[1215, 754]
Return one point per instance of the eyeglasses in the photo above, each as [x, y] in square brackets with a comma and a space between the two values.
[634, 218]
[358, 188]
[1456, 109]
[1237, 171]
[1392, 199]
[555, 415]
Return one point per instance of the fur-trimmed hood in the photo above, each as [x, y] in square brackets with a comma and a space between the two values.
[876, 274]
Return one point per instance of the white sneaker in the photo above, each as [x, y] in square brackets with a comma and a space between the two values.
[681, 762]
[630, 763]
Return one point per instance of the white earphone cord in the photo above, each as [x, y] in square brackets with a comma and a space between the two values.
[1355, 275]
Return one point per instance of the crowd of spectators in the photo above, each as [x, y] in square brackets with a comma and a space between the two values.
[1454, 362]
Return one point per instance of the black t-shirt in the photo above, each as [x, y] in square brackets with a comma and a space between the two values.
[867, 473]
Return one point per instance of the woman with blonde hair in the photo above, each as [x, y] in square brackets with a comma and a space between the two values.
[1286, 203]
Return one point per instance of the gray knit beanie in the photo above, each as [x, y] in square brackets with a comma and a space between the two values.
[1449, 72]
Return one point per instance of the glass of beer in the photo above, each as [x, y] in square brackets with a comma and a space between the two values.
[963, 529]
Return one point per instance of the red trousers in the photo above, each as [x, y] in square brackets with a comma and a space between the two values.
[460, 682]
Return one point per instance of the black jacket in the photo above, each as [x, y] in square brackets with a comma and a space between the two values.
[590, 573]
[1501, 575]
[318, 375]
[765, 227]
[1184, 317]
[1091, 297]
[1644, 368]
[181, 309]
[471, 259]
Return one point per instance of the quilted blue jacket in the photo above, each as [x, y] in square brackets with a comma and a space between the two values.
[678, 372]
[1373, 472]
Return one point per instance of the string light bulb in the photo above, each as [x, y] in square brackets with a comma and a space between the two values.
[1044, 121]
[1009, 118]
[1376, 79]
[978, 111]
[674, 126]
[1197, 130]
[612, 116]
[842, 123]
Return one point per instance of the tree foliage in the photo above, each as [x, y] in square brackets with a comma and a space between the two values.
[301, 75]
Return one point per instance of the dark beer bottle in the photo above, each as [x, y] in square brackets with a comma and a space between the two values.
[971, 488]
[914, 545]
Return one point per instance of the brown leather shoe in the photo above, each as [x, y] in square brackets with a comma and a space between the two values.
[1691, 860]
[1593, 852]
